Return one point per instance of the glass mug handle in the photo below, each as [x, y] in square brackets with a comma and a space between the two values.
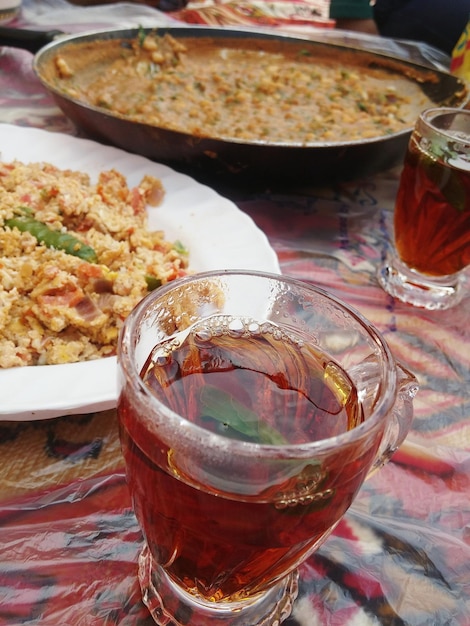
[400, 420]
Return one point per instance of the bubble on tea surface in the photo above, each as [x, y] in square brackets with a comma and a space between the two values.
[460, 155]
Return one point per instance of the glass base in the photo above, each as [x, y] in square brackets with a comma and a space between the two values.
[171, 606]
[429, 292]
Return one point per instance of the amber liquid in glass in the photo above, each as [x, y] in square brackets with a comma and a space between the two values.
[432, 214]
[260, 386]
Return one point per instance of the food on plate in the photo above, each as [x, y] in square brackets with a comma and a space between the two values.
[75, 258]
[237, 90]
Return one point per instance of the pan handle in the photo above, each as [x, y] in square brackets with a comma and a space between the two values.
[32, 40]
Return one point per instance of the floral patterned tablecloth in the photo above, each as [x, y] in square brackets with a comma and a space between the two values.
[68, 537]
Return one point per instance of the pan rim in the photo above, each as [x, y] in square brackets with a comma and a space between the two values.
[225, 33]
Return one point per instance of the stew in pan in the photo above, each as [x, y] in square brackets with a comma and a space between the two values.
[242, 106]
[239, 90]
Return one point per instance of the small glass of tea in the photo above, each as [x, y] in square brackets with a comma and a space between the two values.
[428, 264]
[252, 408]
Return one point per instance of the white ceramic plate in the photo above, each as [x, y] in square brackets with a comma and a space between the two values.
[217, 233]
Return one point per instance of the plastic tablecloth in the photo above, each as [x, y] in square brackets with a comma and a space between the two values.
[69, 540]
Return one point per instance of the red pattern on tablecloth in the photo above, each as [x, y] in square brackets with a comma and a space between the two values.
[258, 13]
[401, 555]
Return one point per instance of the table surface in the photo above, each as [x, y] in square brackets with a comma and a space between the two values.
[401, 556]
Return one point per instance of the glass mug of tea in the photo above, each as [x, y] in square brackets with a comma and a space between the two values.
[427, 266]
[252, 408]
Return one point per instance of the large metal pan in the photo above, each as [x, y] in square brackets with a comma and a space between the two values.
[208, 158]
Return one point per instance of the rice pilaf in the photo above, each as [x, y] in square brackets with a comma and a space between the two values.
[75, 258]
